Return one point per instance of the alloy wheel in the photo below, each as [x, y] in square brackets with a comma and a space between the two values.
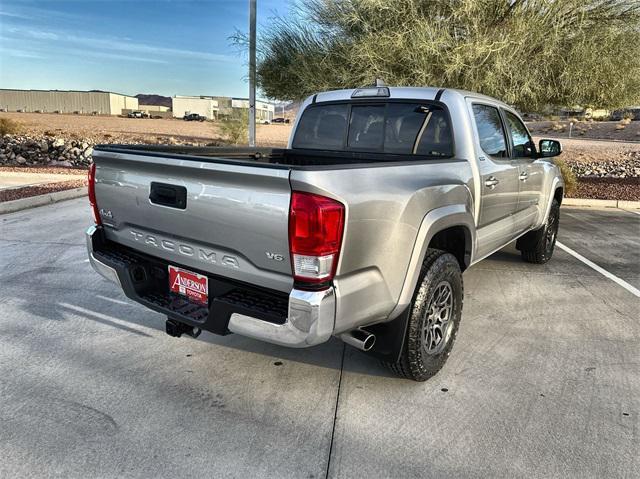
[436, 325]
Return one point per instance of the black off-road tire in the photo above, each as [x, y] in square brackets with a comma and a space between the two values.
[537, 246]
[438, 268]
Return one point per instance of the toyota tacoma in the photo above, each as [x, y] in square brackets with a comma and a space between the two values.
[361, 228]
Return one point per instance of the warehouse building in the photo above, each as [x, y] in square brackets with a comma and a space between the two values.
[202, 105]
[59, 101]
[156, 111]
[154, 108]
[227, 105]
[219, 106]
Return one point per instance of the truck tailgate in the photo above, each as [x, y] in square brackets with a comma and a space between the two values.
[233, 223]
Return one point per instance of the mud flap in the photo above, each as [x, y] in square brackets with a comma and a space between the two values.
[389, 338]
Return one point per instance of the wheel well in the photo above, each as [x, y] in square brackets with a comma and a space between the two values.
[558, 195]
[455, 240]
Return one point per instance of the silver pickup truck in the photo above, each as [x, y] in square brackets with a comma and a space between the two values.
[361, 228]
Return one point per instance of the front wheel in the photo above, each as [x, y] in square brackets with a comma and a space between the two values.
[434, 319]
[537, 246]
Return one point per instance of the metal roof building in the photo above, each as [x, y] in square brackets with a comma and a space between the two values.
[61, 101]
[182, 105]
[264, 110]
[214, 106]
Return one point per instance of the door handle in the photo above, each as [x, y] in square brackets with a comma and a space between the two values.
[523, 176]
[491, 182]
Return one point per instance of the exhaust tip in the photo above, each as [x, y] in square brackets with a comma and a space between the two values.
[359, 338]
[368, 342]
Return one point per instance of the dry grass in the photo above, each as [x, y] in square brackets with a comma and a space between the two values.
[10, 127]
[236, 130]
[570, 179]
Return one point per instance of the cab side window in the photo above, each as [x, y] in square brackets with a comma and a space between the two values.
[522, 144]
[490, 130]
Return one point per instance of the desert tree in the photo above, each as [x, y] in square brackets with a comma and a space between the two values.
[530, 53]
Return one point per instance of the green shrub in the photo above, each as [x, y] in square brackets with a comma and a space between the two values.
[9, 127]
[236, 127]
[570, 179]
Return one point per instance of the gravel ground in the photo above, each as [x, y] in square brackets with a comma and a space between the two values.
[626, 189]
[113, 129]
[586, 151]
[606, 130]
[54, 170]
[27, 191]
[116, 129]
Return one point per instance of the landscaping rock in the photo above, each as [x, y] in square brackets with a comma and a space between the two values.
[41, 150]
[628, 166]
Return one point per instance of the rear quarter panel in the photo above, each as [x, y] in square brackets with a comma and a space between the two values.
[385, 206]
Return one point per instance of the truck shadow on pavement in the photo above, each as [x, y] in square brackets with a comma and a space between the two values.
[121, 313]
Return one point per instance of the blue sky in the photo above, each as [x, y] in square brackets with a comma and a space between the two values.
[168, 47]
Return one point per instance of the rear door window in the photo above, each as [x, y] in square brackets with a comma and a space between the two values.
[490, 130]
[394, 127]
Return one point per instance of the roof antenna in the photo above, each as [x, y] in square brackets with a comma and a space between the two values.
[379, 82]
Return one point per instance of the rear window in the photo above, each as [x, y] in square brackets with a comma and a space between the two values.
[399, 128]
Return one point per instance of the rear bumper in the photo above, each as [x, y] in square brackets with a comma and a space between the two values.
[309, 321]
[304, 318]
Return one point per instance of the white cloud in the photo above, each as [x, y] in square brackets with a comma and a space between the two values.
[114, 46]
[14, 15]
[123, 45]
[113, 56]
[36, 34]
[24, 54]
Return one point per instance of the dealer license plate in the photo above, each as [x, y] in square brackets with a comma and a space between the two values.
[187, 283]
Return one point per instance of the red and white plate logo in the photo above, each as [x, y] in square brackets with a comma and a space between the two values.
[187, 283]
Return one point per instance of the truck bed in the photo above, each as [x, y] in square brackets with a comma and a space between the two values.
[266, 157]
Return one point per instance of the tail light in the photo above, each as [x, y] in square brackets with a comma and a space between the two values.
[92, 194]
[316, 224]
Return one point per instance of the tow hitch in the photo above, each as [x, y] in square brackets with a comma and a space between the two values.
[176, 329]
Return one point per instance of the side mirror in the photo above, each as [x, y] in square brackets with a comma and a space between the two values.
[549, 148]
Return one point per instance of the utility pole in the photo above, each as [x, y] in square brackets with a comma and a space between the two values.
[252, 72]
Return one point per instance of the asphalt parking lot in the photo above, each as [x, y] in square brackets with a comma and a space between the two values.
[544, 379]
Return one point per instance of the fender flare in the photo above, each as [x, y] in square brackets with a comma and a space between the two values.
[435, 221]
[555, 184]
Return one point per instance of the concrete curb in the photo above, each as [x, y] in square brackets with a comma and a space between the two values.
[40, 200]
[601, 203]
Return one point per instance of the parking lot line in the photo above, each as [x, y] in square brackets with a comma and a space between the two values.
[600, 270]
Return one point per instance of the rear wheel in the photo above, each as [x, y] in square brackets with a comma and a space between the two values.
[435, 315]
[537, 246]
